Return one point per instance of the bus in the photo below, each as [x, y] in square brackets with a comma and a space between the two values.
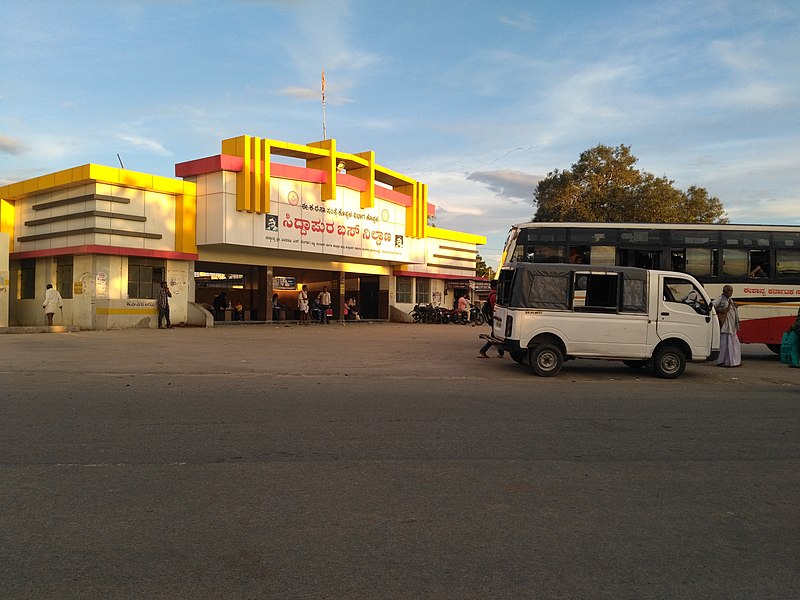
[761, 262]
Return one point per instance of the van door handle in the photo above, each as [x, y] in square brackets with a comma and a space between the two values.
[664, 314]
[708, 319]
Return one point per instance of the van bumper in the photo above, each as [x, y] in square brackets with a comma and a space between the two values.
[506, 344]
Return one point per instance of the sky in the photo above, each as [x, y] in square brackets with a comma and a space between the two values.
[480, 100]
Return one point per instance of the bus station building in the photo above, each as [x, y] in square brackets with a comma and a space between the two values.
[262, 217]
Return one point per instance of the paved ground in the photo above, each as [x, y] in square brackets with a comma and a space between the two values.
[386, 461]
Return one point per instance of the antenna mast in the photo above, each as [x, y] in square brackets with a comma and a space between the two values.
[324, 129]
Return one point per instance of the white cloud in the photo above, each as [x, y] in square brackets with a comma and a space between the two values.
[146, 143]
[507, 183]
[523, 22]
[10, 145]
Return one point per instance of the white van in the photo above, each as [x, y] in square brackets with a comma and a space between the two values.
[548, 313]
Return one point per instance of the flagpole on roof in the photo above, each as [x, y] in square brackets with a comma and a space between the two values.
[324, 129]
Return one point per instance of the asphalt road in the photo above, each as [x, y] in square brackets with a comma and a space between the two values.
[387, 461]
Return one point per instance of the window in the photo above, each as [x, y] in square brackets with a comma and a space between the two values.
[787, 263]
[403, 290]
[26, 279]
[759, 263]
[603, 255]
[545, 254]
[700, 262]
[734, 263]
[683, 291]
[144, 277]
[423, 292]
[64, 276]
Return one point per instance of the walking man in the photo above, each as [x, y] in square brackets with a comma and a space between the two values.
[163, 305]
[52, 300]
[490, 302]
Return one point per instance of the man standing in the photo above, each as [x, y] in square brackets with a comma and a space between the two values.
[163, 305]
[324, 299]
[730, 349]
[52, 300]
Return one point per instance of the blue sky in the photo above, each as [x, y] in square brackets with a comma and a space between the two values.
[477, 99]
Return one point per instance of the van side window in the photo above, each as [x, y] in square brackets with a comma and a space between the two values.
[595, 292]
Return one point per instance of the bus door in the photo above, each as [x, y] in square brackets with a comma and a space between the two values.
[643, 257]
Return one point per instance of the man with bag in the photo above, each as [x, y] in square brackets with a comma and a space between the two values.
[730, 349]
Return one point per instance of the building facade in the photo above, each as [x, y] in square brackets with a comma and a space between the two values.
[260, 219]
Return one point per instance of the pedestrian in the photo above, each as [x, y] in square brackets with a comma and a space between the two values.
[220, 304]
[52, 300]
[163, 305]
[324, 299]
[490, 302]
[302, 304]
[730, 349]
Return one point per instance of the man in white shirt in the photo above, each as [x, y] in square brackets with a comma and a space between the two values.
[52, 300]
[324, 299]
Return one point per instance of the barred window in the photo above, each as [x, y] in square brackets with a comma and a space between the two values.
[144, 277]
[423, 292]
[26, 279]
[403, 290]
[64, 276]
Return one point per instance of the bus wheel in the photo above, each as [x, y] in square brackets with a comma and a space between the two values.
[776, 348]
[546, 360]
[669, 362]
[634, 364]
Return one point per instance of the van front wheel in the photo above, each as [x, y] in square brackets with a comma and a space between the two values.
[546, 360]
[669, 362]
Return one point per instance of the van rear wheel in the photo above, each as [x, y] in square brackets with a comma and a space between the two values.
[669, 362]
[546, 360]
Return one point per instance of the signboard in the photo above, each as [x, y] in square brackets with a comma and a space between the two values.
[300, 220]
[284, 283]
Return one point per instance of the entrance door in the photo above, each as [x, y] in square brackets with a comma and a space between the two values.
[368, 302]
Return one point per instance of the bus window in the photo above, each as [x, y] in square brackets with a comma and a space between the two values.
[545, 254]
[734, 262]
[678, 262]
[605, 256]
[644, 259]
[579, 255]
[787, 263]
[701, 262]
[759, 263]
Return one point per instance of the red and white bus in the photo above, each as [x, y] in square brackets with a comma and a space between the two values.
[761, 262]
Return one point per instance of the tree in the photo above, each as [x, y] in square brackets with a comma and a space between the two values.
[605, 186]
[481, 269]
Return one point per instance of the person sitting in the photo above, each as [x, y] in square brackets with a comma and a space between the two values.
[238, 311]
[352, 309]
[758, 271]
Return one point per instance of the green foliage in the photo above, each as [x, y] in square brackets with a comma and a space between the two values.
[605, 186]
[481, 268]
